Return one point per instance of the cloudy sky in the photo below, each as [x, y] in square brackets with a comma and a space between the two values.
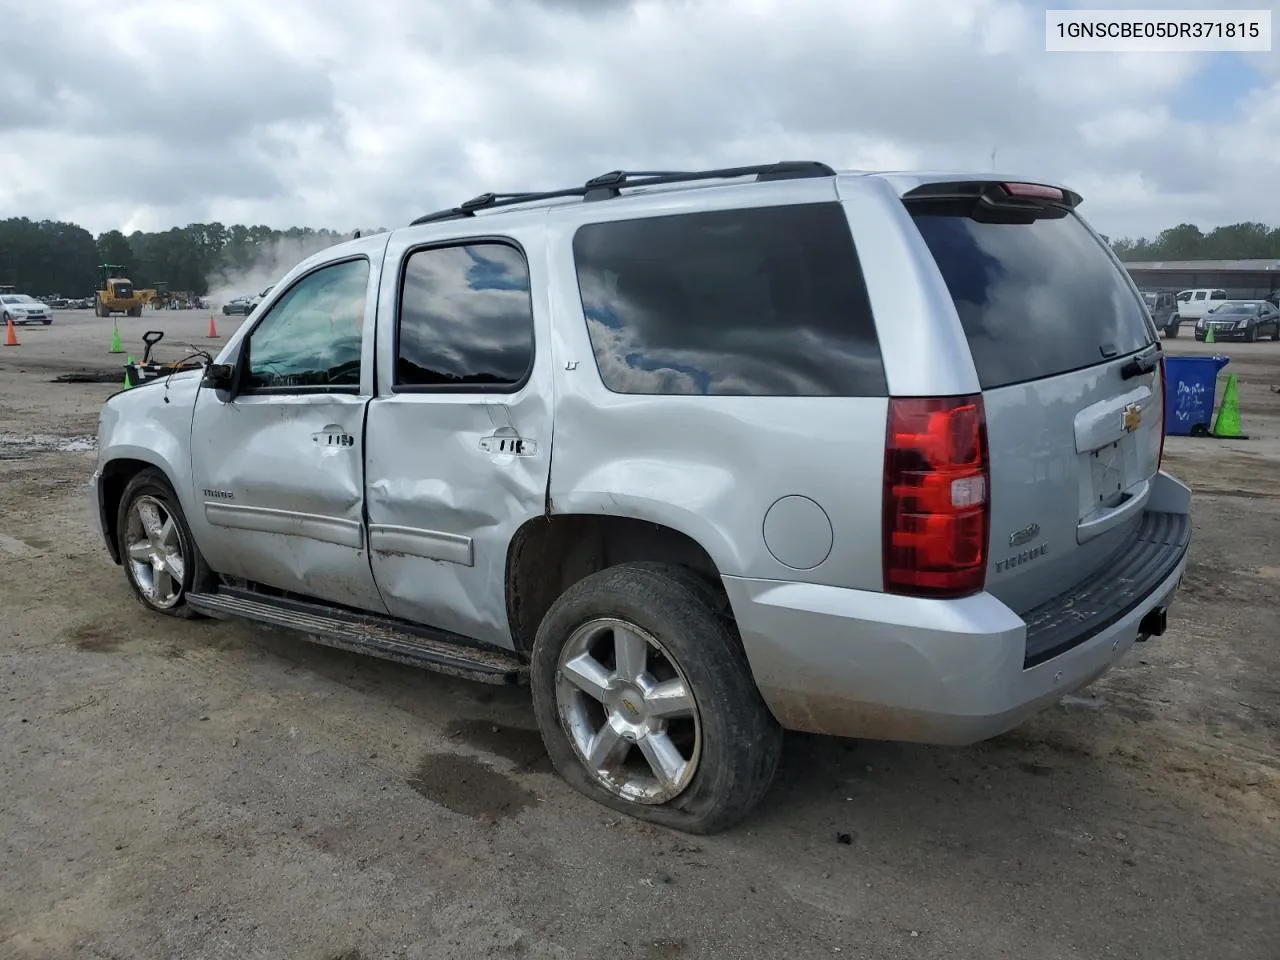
[143, 114]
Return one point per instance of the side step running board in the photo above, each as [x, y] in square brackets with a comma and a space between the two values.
[367, 633]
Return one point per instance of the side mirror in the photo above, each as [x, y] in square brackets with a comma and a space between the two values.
[219, 375]
[223, 378]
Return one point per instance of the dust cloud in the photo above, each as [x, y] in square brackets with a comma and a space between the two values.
[274, 259]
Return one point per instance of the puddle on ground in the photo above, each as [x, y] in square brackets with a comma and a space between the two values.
[466, 786]
[15, 446]
[521, 745]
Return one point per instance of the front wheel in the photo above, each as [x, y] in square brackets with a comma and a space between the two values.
[1251, 335]
[47, 321]
[159, 554]
[646, 703]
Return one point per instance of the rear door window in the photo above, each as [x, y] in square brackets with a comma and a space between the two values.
[1036, 299]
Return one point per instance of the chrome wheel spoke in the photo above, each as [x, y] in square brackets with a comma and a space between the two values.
[140, 552]
[664, 759]
[149, 514]
[169, 535]
[669, 699]
[607, 748]
[631, 654]
[163, 584]
[174, 564]
[587, 674]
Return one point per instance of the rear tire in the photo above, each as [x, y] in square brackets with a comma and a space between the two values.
[1171, 331]
[160, 558]
[675, 693]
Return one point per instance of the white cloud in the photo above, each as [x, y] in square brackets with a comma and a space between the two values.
[148, 113]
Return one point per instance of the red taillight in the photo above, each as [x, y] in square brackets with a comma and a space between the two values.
[937, 479]
[1037, 190]
[1164, 408]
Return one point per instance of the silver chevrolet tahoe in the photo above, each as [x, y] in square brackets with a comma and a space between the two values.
[698, 456]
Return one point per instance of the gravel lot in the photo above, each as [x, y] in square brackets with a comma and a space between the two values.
[172, 789]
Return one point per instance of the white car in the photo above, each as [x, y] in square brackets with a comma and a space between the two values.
[21, 308]
[253, 303]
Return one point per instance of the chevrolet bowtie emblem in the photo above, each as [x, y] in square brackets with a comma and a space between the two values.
[1132, 417]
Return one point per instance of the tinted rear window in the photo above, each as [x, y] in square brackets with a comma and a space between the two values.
[1036, 299]
[767, 301]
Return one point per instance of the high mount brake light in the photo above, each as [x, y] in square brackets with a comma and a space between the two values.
[1034, 191]
[937, 503]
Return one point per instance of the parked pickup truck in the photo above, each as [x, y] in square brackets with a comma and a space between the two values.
[1193, 305]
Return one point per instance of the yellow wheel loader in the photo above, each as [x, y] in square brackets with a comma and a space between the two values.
[115, 293]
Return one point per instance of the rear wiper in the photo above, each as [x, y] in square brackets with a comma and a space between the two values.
[1143, 363]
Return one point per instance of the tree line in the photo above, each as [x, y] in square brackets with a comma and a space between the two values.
[48, 257]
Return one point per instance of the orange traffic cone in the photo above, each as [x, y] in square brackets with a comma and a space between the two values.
[11, 334]
[213, 328]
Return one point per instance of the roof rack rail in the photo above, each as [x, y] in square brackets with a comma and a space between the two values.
[609, 185]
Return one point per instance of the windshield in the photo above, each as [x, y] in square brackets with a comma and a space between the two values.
[10, 299]
[1245, 308]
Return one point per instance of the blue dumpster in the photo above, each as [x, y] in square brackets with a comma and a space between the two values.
[1190, 394]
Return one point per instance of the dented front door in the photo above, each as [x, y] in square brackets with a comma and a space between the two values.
[279, 470]
[459, 435]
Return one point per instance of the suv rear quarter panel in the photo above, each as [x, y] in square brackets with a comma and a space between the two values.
[922, 343]
[711, 467]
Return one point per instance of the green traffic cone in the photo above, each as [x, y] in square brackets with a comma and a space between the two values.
[1227, 425]
[116, 345]
[1208, 334]
[128, 380]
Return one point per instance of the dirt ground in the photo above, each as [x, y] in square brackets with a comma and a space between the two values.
[211, 790]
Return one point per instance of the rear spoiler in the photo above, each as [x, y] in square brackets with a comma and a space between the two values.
[995, 199]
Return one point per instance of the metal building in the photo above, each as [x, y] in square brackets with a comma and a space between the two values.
[1242, 279]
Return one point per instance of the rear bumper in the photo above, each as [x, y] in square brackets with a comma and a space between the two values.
[864, 664]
